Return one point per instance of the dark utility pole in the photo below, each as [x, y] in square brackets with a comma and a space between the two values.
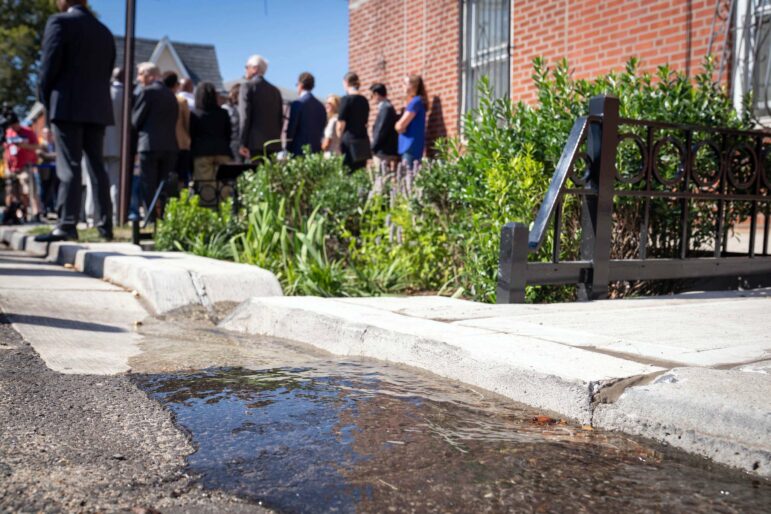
[126, 163]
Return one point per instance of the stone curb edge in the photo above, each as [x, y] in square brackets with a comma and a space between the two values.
[163, 281]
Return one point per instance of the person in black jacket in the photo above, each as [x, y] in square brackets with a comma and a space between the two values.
[261, 112]
[352, 121]
[307, 118]
[74, 87]
[154, 119]
[210, 131]
[385, 139]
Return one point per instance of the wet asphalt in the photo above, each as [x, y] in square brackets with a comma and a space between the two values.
[75, 443]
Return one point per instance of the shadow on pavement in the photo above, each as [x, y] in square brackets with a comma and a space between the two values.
[27, 272]
[69, 324]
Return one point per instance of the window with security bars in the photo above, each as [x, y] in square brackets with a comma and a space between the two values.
[761, 80]
[486, 49]
[751, 20]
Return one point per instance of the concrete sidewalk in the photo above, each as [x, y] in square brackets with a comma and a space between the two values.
[95, 336]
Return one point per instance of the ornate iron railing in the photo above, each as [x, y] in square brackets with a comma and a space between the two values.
[703, 180]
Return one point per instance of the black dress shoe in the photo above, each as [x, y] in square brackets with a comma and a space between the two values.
[56, 235]
[105, 233]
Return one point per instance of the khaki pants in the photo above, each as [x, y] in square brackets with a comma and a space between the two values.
[205, 168]
[205, 177]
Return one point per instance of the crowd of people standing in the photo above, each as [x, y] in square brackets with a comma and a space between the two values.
[182, 133]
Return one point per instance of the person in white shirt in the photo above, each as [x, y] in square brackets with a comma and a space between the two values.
[186, 89]
[331, 142]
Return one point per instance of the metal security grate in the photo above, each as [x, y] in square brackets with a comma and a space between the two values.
[741, 39]
[486, 49]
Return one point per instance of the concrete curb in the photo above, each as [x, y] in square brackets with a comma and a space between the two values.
[19, 241]
[540, 373]
[697, 410]
[163, 280]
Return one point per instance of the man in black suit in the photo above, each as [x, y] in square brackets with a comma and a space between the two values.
[77, 62]
[261, 111]
[307, 118]
[154, 119]
[385, 139]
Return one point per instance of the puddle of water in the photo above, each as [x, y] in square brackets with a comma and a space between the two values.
[356, 436]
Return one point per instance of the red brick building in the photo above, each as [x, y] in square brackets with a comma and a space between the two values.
[451, 43]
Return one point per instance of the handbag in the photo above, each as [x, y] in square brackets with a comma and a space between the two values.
[360, 150]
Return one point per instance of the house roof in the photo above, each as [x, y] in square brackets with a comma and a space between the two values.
[199, 60]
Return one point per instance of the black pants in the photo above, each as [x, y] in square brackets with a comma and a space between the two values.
[155, 167]
[184, 166]
[345, 149]
[73, 140]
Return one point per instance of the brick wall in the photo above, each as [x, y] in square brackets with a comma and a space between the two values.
[389, 39]
[597, 36]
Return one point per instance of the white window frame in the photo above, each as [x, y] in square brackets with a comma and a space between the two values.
[742, 80]
[472, 60]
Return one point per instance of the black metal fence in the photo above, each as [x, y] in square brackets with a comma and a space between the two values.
[693, 183]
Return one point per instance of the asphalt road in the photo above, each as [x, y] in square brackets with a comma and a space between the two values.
[80, 443]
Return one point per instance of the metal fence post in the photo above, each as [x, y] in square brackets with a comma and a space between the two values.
[512, 264]
[126, 161]
[597, 210]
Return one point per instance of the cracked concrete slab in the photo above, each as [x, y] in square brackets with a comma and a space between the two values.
[720, 414]
[439, 308]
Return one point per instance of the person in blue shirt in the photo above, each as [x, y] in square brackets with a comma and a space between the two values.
[412, 125]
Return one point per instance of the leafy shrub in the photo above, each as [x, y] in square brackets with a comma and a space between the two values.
[323, 230]
[188, 226]
[340, 196]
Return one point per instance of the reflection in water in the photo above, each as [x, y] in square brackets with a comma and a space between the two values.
[356, 437]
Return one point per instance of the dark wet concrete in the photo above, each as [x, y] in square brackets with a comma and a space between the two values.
[357, 436]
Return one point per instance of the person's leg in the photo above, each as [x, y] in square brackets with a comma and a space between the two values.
[203, 169]
[13, 195]
[166, 169]
[93, 144]
[88, 196]
[184, 166]
[136, 197]
[69, 152]
[203, 177]
[408, 160]
[8, 190]
[224, 190]
[148, 165]
[24, 192]
[112, 166]
[220, 160]
[35, 194]
[347, 159]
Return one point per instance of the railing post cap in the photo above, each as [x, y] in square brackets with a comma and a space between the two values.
[600, 104]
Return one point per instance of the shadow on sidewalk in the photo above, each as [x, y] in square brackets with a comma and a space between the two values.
[28, 272]
[69, 324]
